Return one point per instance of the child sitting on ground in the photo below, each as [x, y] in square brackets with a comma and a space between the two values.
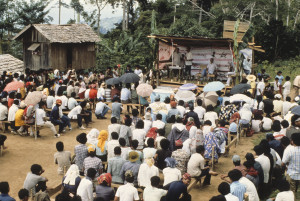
[62, 158]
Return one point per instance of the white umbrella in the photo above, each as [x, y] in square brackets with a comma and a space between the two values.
[144, 90]
[240, 98]
[209, 98]
[186, 96]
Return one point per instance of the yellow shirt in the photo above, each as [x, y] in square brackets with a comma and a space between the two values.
[19, 118]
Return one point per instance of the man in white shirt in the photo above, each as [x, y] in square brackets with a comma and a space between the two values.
[138, 70]
[224, 189]
[260, 88]
[211, 67]
[63, 99]
[127, 192]
[85, 188]
[250, 189]
[126, 94]
[181, 108]
[277, 103]
[199, 109]
[41, 119]
[11, 115]
[196, 167]
[264, 161]
[158, 123]
[50, 99]
[286, 87]
[153, 193]
[112, 144]
[286, 105]
[113, 127]
[4, 112]
[285, 192]
[70, 88]
[79, 114]
[188, 61]
[101, 110]
[72, 102]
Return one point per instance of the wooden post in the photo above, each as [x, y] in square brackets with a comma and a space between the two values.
[157, 64]
[212, 158]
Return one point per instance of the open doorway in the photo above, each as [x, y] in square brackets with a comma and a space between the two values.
[69, 57]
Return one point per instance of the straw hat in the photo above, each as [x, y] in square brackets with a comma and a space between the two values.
[133, 156]
[251, 78]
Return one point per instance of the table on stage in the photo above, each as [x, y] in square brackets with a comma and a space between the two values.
[171, 68]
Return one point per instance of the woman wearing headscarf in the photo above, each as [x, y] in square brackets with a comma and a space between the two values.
[103, 189]
[101, 145]
[71, 180]
[171, 173]
[191, 127]
[146, 171]
[92, 136]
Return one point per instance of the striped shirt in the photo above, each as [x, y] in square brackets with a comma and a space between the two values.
[292, 157]
[238, 189]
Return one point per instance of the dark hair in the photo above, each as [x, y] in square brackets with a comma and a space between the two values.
[60, 146]
[283, 185]
[12, 95]
[288, 99]
[161, 132]
[200, 149]
[276, 126]
[235, 174]
[159, 116]
[73, 94]
[155, 180]
[296, 139]
[150, 142]
[122, 141]
[128, 121]
[18, 96]
[224, 188]
[114, 135]
[92, 153]
[222, 123]
[91, 173]
[181, 102]
[23, 193]
[191, 108]
[135, 112]
[113, 120]
[178, 120]
[41, 185]
[139, 124]
[16, 102]
[83, 104]
[36, 169]
[117, 150]
[208, 122]
[287, 78]
[294, 118]
[164, 144]
[167, 100]
[129, 179]
[81, 138]
[285, 124]
[209, 108]
[4, 187]
[199, 102]
[258, 150]
[248, 164]
[218, 198]
[134, 143]
[270, 137]
[285, 141]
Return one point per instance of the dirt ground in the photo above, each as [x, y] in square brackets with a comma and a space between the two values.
[22, 152]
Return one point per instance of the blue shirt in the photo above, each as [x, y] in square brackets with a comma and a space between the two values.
[6, 197]
[233, 127]
[133, 166]
[175, 189]
[114, 167]
[238, 189]
[116, 110]
[125, 94]
[280, 78]
[54, 115]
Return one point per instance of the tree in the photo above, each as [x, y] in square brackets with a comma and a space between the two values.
[33, 12]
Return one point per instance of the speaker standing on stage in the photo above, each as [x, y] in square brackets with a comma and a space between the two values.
[188, 61]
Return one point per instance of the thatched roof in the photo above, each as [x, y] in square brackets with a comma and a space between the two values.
[71, 33]
[10, 64]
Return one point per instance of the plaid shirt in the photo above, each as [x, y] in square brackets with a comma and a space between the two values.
[92, 162]
[81, 152]
[292, 157]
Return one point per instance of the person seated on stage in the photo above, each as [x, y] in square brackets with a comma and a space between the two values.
[115, 165]
[72, 102]
[57, 118]
[188, 61]
[78, 113]
[41, 120]
[211, 67]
